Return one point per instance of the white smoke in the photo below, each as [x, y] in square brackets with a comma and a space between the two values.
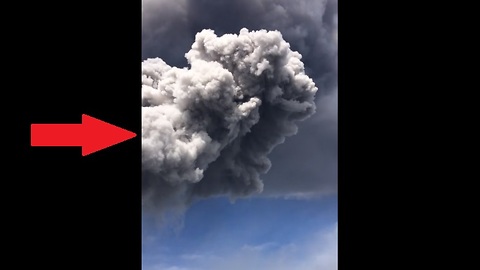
[207, 129]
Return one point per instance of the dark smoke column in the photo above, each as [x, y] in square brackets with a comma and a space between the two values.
[207, 129]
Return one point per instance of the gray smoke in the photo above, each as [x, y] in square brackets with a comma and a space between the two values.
[310, 26]
[208, 129]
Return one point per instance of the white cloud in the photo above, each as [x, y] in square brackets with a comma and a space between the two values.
[318, 252]
[192, 257]
[261, 247]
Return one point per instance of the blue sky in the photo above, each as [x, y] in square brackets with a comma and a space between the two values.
[250, 233]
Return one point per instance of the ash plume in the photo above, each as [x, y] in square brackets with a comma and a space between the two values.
[305, 166]
[207, 129]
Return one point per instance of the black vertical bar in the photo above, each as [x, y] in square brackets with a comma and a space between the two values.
[69, 59]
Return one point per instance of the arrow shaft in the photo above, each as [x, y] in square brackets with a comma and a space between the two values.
[56, 134]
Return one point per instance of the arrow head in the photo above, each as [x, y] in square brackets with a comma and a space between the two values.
[98, 135]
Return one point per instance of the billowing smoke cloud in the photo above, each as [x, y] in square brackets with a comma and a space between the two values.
[306, 164]
[310, 26]
[208, 128]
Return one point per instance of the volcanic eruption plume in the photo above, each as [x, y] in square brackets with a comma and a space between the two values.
[207, 129]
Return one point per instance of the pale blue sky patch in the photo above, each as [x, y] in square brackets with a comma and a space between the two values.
[265, 231]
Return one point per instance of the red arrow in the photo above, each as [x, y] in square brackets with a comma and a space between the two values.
[92, 135]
